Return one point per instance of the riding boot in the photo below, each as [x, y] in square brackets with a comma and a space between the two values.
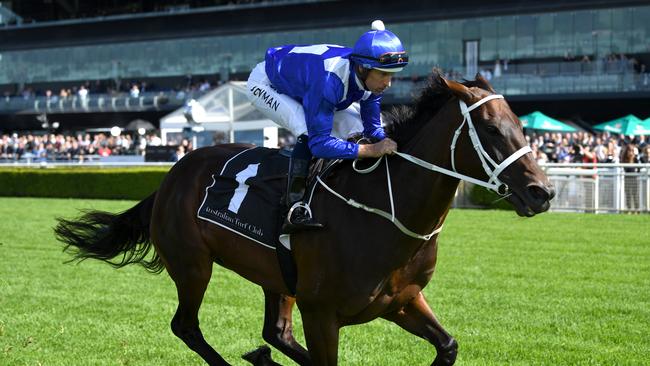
[299, 216]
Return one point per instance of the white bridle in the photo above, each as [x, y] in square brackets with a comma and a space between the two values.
[493, 183]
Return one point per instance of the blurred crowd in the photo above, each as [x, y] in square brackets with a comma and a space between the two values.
[585, 147]
[78, 148]
[576, 147]
[187, 86]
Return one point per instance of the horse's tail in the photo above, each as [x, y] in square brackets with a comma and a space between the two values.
[104, 236]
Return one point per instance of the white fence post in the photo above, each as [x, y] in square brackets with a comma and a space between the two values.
[596, 193]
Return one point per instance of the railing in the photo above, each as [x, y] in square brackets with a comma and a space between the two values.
[519, 79]
[595, 188]
[114, 161]
[98, 102]
[601, 187]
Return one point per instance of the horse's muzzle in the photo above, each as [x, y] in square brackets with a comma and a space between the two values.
[537, 197]
[541, 193]
[534, 199]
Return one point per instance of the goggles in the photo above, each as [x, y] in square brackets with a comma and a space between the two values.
[389, 58]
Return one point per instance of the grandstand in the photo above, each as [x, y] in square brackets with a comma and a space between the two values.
[104, 63]
[559, 56]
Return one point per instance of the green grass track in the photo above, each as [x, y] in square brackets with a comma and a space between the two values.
[556, 289]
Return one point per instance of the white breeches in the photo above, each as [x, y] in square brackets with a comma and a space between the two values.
[288, 113]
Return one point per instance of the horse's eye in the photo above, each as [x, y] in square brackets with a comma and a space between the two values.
[492, 130]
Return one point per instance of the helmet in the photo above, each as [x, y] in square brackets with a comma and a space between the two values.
[380, 49]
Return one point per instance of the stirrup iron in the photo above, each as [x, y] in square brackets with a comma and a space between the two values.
[296, 205]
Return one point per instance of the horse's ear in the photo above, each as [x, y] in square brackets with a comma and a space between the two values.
[459, 90]
[484, 83]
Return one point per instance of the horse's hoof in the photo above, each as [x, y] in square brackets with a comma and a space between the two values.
[447, 355]
[260, 357]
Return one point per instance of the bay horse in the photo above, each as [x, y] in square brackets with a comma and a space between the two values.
[360, 266]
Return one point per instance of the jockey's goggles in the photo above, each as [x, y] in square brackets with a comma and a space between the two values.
[389, 58]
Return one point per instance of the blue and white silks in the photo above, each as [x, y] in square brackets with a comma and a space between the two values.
[314, 89]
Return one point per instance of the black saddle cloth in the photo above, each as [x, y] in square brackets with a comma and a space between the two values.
[246, 196]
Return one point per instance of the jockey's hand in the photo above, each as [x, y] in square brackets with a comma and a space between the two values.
[376, 150]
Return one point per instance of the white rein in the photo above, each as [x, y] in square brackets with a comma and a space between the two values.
[493, 183]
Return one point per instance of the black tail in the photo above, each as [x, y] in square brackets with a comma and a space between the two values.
[104, 236]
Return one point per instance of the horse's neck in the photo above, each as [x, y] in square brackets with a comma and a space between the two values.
[431, 193]
[421, 197]
[432, 143]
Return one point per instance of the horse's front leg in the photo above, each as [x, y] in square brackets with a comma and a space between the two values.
[321, 329]
[417, 318]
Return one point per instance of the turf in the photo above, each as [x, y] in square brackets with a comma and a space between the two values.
[556, 289]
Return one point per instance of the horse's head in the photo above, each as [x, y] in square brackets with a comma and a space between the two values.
[501, 151]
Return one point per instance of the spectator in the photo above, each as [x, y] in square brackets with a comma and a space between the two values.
[613, 152]
[563, 152]
[588, 156]
[205, 86]
[83, 96]
[539, 156]
[644, 156]
[600, 150]
[135, 91]
[180, 152]
[40, 153]
[154, 140]
[75, 152]
[497, 69]
[104, 150]
[50, 98]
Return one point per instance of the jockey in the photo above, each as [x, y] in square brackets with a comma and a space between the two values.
[324, 94]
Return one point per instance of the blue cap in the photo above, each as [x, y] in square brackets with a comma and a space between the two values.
[380, 49]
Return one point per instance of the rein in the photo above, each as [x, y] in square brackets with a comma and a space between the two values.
[389, 216]
[493, 183]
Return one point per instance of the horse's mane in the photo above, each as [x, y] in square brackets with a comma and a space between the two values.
[403, 122]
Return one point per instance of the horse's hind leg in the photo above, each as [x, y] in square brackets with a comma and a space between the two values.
[191, 283]
[417, 318]
[278, 328]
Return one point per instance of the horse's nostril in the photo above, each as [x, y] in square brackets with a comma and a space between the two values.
[540, 193]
